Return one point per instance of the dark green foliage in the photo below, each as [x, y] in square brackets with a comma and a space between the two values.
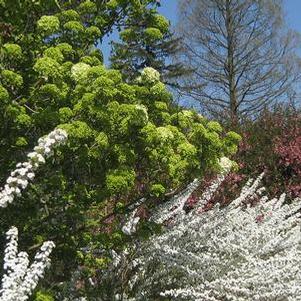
[147, 41]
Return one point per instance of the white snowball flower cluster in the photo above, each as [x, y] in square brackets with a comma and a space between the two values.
[79, 71]
[25, 172]
[20, 278]
[225, 164]
[150, 76]
[239, 253]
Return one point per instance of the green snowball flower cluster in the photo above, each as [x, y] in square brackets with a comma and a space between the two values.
[12, 51]
[48, 25]
[65, 48]
[112, 4]
[4, 96]
[54, 53]
[150, 76]
[160, 22]
[11, 79]
[153, 34]
[87, 7]
[74, 26]
[120, 181]
[80, 71]
[69, 15]
[93, 32]
[47, 68]
[157, 190]
[102, 140]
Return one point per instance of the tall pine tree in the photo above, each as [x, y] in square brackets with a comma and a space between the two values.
[147, 41]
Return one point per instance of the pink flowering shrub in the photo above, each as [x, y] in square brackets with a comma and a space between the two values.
[288, 149]
[270, 144]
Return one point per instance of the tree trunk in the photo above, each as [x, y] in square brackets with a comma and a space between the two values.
[230, 64]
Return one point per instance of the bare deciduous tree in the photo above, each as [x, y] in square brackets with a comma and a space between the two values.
[242, 54]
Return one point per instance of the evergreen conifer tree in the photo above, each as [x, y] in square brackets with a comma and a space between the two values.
[147, 41]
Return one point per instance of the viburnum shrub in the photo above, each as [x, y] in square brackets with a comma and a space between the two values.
[125, 140]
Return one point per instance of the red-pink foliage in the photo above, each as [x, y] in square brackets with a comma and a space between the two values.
[270, 144]
[288, 149]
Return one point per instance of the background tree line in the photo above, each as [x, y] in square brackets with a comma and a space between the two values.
[232, 57]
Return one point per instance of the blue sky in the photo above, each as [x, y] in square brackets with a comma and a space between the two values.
[169, 10]
[293, 9]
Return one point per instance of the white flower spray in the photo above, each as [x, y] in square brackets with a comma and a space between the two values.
[239, 253]
[130, 226]
[20, 278]
[25, 172]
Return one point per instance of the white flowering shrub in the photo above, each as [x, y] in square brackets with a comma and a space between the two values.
[19, 278]
[240, 252]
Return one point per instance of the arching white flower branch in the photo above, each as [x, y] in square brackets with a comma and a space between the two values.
[25, 172]
[174, 209]
[20, 278]
[238, 253]
[130, 225]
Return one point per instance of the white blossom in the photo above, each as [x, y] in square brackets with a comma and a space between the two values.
[20, 278]
[150, 76]
[130, 226]
[240, 252]
[25, 171]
